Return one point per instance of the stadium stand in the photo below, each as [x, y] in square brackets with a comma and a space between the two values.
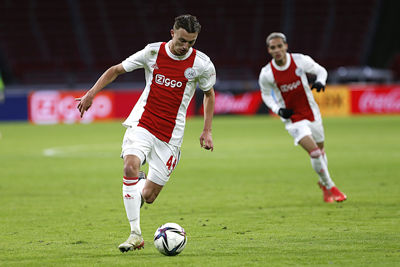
[71, 41]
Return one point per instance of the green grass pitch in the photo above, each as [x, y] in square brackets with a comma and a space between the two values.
[254, 201]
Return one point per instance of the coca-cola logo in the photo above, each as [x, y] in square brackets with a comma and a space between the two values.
[246, 103]
[380, 102]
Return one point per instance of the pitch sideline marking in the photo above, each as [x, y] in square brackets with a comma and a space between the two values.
[93, 150]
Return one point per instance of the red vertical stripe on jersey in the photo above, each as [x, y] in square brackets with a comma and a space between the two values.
[293, 93]
[165, 96]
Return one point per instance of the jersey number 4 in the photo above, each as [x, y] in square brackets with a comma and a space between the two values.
[171, 163]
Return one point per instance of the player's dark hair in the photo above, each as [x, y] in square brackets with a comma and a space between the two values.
[187, 22]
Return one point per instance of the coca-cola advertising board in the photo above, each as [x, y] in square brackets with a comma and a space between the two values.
[375, 99]
[243, 103]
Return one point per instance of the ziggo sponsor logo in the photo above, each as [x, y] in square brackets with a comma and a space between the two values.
[162, 80]
[289, 87]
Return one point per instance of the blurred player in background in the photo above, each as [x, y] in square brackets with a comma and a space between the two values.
[286, 76]
[156, 124]
[2, 94]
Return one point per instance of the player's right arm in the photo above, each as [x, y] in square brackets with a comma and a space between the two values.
[266, 84]
[135, 61]
[108, 76]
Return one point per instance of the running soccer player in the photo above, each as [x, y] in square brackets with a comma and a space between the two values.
[285, 76]
[156, 124]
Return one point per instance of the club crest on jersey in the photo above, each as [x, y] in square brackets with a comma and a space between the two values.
[299, 72]
[190, 73]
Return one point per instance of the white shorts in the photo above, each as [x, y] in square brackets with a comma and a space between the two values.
[161, 156]
[302, 128]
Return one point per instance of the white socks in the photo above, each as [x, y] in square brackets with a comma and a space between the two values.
[132, 201]
[319, 163]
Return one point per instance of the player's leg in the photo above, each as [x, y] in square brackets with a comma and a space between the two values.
[151, 191]
[318, 135]
[162, 161]
[132, 191]
[303, 133]
[321, 146]
[317, 160]
[319, 166]
[132, 165]
[132, 202]
[136, 146]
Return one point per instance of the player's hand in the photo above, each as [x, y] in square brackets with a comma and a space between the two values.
[318, 86]
[206, 141]
[84, 103]
[285, 113]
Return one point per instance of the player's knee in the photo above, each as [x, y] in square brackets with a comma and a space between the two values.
[131, 166]
[315, 153]
[130, 170]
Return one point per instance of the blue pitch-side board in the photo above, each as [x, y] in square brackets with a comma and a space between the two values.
[14, 107]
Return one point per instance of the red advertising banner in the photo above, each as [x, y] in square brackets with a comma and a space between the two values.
[378, 99]
[244, 103]
[49, 107]
[124, 101]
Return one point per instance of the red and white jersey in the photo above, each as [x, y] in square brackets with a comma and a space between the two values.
[170, 85]
[289, 85]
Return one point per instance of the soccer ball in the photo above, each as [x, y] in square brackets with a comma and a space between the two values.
[170, 239]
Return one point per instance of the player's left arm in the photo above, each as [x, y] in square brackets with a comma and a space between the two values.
[206, 140]
[310, 66]
[206, 82]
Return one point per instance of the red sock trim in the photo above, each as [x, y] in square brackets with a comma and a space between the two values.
[130, 180]
[129, 184]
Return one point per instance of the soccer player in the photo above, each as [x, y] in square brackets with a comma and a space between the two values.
[285, 76]
[156, 124]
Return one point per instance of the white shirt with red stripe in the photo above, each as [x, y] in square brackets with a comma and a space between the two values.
[290, 86]
[170, 85]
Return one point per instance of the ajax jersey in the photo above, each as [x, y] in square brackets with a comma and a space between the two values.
[290, 87]
[292, 91]
[170, 85]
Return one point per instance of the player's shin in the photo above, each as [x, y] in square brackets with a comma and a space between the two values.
[324, 156]
[319, 165]
[132, 201]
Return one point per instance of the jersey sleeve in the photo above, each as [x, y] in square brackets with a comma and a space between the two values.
[310, 66]
[266, 86]
[135, 61]
[208, 78]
